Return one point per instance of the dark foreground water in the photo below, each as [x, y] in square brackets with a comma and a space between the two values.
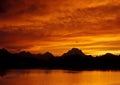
[59, 77]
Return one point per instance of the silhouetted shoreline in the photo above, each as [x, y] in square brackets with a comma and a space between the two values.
[74, 59]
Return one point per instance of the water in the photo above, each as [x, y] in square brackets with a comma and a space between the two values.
[59, 77]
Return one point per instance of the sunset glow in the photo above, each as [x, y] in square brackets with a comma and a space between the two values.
[59, 25]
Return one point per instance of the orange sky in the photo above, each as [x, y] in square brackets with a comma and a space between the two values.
[59, 25]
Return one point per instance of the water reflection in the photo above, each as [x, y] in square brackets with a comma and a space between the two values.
[3, 72]
[58, 77]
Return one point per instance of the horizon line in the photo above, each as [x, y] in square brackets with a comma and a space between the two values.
[58, 55]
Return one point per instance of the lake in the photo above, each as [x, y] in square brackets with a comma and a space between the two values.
[59, 77]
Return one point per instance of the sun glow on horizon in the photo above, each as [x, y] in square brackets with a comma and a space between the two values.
[57, 26]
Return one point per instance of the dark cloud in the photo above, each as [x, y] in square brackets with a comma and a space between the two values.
[9, 8]
[18, 8]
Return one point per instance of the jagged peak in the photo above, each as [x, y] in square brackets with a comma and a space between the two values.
[3, 50]
[48, 54]
[25, 52]
[75, 51]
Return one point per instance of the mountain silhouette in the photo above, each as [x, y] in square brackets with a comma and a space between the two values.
[74, 59]
[74, 51]
[46, 56]
[24, 54]
[4, 52]
[109, 54]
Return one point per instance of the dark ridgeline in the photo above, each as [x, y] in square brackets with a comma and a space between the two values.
[74, 59]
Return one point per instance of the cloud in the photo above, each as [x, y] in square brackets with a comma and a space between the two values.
[57, 23]
[23, 8]
[15, 8]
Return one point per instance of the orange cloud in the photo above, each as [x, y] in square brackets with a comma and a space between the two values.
[58, 25]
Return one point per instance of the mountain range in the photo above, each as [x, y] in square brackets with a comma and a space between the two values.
[74, 59]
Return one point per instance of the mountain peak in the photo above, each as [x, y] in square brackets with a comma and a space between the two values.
[47, 56]
[109, 54]
[74, 51]
[3, 50]
[25, 53]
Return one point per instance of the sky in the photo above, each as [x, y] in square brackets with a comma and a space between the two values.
[59, 25]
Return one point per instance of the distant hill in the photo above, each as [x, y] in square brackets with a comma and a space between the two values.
[47, 56]
[74, 59]
[4, 52]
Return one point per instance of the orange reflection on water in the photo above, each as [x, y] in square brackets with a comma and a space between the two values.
[60, 77]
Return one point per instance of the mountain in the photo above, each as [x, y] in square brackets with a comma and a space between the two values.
[74, 52]
[4, 53]
[24, 54]
[108, 55]
[47, 56]
[74, 59]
